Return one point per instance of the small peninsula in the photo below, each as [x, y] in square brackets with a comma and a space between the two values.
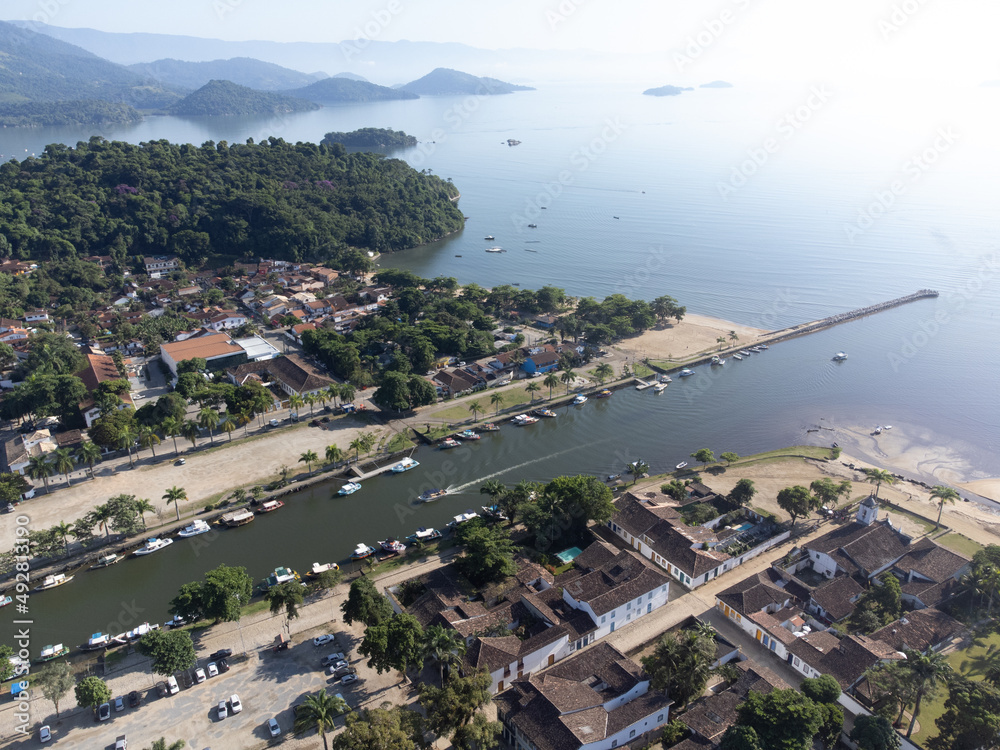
[337, 90]
[228, 98]
[442, 81]
[666, 91]
[371, 138]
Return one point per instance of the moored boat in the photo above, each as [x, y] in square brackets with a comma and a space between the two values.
[131, 636]
[462, 518]
[681, 465]
[737, 357]
[317, 569]
[685, 373]
[489, 427]
[717, 360]
[494, 511]
[108, 558]
[52, 581]
[152, 545]
[279, 576]
[604, 394]
[424, 535]
[494, 250]
[5, 600]
[489, 238]
[745, 353]
[362, 551]
[237, 518]
[763, 347]
[195, 528]
[52, 652]
[548, 413]
[429, 496]
[270, 505]
[175, 622]
[349, 488]
[405, 465]
[580, 399]
[469, 435]
[449, 443]
[840, 356]
[393, 545]
[96, 641]
[659, 388]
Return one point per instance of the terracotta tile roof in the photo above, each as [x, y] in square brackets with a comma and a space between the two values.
[207, 346]
[756, 592]
[931, 562]
[290, 369]
[711, 716]
[835, 596]
[855, 654]
[622, 579]
[919, 630]
[100, 367]
[863, 548]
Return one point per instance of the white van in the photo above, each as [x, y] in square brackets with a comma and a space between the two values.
[172, 687]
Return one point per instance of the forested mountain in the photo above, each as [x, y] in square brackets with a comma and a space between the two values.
[448, 81]
[38, 68]
[371, 137]
[228, 98]
[351, 77]
[245, 71]
[274, 199]
[84, 112]
[333, 90]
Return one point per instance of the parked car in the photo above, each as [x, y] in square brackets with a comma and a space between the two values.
[322, 640]
[172, 687]
[104, 712]
[222, 653]
[161, 688]
[45, 734]
[333, 658]
[273, 728]
[213, 670]
[119, 704]
[222, 710]
[340, 669]
[199, 676]
[347, 679]
[181, 461]
[234, 699]
[134, 699]
[121, 743]
[223, 665]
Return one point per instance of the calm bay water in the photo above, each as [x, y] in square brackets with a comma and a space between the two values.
[772, 252]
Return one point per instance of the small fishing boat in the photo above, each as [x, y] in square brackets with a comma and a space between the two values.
[269, 506]
[349, 488]
[580, 399]
[685, 373]
[405, 465]
[362, 551]
[108, 558]
[737, 357]
[468, 435]
[52, 652]
[716, 360]
[604, 394]
[839, 356]
[887, 427]
[424, 535]
[523, 419]
[666, 379]
[745, 353]
[152, 545]
[659, 388]
[681, 465]
[175, 622]
[53, 581]
[5, 600]
[317, 570]
[392, 545]
[279, 576]
[462, 518]
[532, 226]
[489, 427]
[495, 250]
[489, 238]
[429, 496]
[131, 636]
[548, 413]
[449, 443]
[493, 511]
[762, 347]
[96, 641]
[194, 529]
[237, 518]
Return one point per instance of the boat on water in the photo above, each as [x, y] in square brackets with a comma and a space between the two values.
[580, 399]
[887, 427]
[495, 250]
[685, 373]
[279, 576]
[393, 545]
[317, 569]
[489, 238]
[745, 353]
[175, 622]
[737, 357]
[666, 379]
[462, 518]
[489, 427]
[763, 347]
[877, 430]
[839, 356]
[449, 443]
[52, 652]
[5, 600]
[681, 465]
[349, 488]
[362, 551]
[468, 435]
[548, 413]
[659, 388]
[424, 535]
[53, 581]
[429, 496]
[131, 636]
[604, 394]
[152, 545]
[493, 511]
[194, 529]
[237, 518]
[270, 505]
[756, 349]
[405, 465]
[717, 360]
[108, 558]
[532, 226]
[96, 641]
[523, 419]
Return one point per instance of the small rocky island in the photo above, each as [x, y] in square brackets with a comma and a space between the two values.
[371, 138]
[666, 91]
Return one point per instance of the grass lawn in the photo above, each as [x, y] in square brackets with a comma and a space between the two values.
[959, 543]
[641, 371]
[511, 397]
[398, 442]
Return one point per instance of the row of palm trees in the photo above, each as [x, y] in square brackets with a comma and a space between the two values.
[336, 392]
[551, 380]
[942, 494]
[334, 454]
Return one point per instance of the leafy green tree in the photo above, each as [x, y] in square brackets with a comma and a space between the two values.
[637, 469]
[489, 553]
[89, 453]
[161, 744]
[797, 502]
[319, 711]
[828, 492]
[565, 506]
[878, 606]
[394, 644]
[833, 725]
[443, 646]
[878, 477]
[365, 604]
[55, 679]
[224, 592]
[6, 666]
[943, 495]
[703, 455]
[517, 497]
[822, 689]
[740, 737]
[92, 692]
[729, 457]
[125, 516]
[188, 603]
[285, 596]
[876, 733]
[478, 734]
[681, 663]
[455, 703]
[171, 650]
[971, 719]
[926, 671]
[377, 729]
[603, 371]
[782, 719]
[676, 489]
[12, 487]
[742, 493]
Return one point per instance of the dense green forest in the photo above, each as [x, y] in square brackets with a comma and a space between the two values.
[228, 98]
[371, 137]
[348, 90]
[83, 112]
[302, 201]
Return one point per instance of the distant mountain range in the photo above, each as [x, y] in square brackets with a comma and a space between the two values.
[441, 81]
[337, 90]
[245, 71]
[228, 98]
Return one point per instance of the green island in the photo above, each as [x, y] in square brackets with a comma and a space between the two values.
[371, 137]
[227, 98]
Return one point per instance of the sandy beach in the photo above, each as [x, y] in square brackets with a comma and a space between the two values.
[695, 334]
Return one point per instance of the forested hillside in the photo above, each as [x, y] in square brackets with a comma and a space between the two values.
[371, 138]
[84, 112]
[274, 199]
[228, 98]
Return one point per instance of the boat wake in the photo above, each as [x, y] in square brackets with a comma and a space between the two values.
[478, 482]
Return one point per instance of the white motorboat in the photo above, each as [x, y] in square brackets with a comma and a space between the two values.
[681, 465]
[659, 388]
[362, 551]
[405, 465]
[194, 529]
[495, 250]
[685, 373]
[53, 581]
[152, 545]
[349, 488]
[96, 641]
[429, 496]
[108, 558]
[737, 357]
[580, 399]
[462, 518]
[393, 545]
[424, 535]
[840, 356]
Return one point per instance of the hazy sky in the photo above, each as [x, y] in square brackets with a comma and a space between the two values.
[940, 40]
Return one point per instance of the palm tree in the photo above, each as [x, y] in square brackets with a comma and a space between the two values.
[319, 711]
[334, 454]
[603, 372]
[171, 427]
[721, 341]
[567, 378]
[243, 419]
[161, 744]
[733, 336]
[62, 462]
[126, 439]
[175, 495]
[531, 388]
[64, 529]
[496, 399]
[143, 506]
[89, 453]
[926, 671]
[877, 476]
[475, 407]
[101, 515]
[357, 445]
[40, 468]
[148, 438]
[445, 646]
[208, 418]
[943, 495]
[228, 424]
[494, 488]
[295, 403]
[310, 398]
[191, 431]
[347, 393]
[551, 381]
[333, 393]
[285, 596]
[637, 469]
[308, 458]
